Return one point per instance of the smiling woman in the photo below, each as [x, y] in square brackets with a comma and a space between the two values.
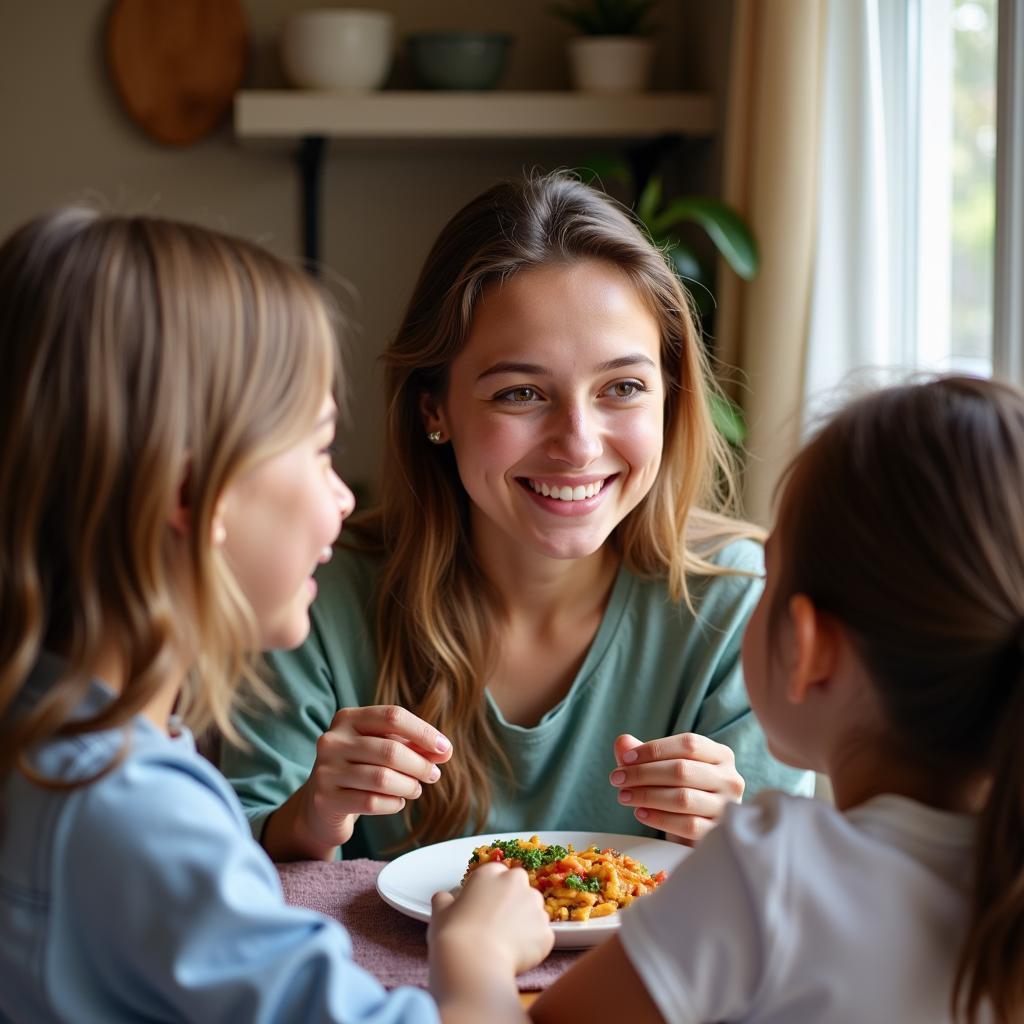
[552, 560]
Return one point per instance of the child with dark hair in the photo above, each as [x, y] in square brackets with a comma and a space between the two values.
[888, 652]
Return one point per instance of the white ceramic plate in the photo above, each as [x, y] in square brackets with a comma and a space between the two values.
[409, 881]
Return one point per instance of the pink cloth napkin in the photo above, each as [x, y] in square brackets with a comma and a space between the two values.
[391, 946]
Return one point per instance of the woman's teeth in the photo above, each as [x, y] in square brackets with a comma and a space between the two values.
[578, 493]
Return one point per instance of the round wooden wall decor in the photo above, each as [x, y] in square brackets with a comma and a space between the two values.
[176, 64]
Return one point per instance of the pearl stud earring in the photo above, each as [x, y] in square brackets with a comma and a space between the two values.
[434, 437]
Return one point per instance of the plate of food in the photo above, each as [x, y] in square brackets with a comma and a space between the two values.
[586, 878]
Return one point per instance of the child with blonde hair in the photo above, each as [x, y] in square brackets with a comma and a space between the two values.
[166, 419]
[888, 652]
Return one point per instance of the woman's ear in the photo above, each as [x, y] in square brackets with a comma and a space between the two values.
[815, 648]
[434, 422]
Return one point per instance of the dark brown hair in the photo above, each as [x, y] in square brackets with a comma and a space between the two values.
[904, 519]
[435, 614]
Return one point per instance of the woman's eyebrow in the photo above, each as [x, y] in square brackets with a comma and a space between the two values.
[527, 368]
[634, 359]
[535, 369]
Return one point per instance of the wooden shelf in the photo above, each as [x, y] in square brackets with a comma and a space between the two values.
[284, 114]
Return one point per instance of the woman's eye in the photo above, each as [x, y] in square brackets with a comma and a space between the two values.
[519, 395]
[626, 388]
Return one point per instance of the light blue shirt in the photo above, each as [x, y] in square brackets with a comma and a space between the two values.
[142, 896]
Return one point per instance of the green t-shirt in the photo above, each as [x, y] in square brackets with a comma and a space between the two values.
[652, 670]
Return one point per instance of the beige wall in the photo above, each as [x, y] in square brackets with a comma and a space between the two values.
[64, 138]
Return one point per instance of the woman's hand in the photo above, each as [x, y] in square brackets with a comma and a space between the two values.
[496, 929]
[680, 784]
[371, 761]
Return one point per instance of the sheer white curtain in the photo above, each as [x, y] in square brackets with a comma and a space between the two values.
[882, 296]
[851, 314]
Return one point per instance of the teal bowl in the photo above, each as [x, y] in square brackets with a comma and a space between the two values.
[459, 60]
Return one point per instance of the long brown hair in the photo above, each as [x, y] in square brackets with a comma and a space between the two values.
[436, 608]
[903, 520]
[146, 363]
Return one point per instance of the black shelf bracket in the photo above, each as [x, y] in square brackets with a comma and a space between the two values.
[310, 160]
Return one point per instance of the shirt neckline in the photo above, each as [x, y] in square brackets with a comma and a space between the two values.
[618, 601]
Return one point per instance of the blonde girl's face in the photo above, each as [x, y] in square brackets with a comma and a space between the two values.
[279, 521]
[555, 409]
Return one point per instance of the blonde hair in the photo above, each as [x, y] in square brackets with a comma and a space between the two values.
[902, 519]
[435, 606]
[147, 364]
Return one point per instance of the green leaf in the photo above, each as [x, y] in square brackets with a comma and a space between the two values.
[607, 17]
[727, 417]
[648, 202]
[603, 168]
[685, 263]
[693, 274]
[723, 225]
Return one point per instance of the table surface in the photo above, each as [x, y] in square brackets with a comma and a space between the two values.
[386, 943]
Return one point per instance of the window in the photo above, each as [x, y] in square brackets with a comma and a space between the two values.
[939, 87]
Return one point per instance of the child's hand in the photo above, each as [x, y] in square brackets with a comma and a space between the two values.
[370, 761]
[680, 784]
[496, 929]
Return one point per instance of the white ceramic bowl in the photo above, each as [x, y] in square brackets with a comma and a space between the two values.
[341, 48]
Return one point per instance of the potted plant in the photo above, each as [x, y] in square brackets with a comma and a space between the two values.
[613, 53]
[726, 229]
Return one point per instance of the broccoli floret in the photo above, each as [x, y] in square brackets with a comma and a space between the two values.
[581, 884]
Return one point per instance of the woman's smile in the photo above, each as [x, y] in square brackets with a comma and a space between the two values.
[572, 497]
[555, 409]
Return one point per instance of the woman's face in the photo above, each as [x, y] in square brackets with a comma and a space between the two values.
[280, 520]
[555, 408]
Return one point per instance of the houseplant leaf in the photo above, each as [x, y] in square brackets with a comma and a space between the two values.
[604, 169]
[685, 262]
[648, 202]
[727, 417]
[607, 17]
[691, 272]
[723, 225]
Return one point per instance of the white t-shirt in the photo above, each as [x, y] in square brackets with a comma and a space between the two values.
[792, 912]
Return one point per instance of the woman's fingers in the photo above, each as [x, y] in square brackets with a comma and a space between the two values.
[687, 829]
[674, 800]
[391, 721]
[679, 785]
[690, 746]
[678, 774]
[685, 761]
[371, 761]
[334, 804]
[339, 749]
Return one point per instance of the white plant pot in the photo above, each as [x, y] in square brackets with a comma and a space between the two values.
[611, 64]
[343, 49]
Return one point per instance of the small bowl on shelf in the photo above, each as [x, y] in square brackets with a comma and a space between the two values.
[468, 61]
[343, 49]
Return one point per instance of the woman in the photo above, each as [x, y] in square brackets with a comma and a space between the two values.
[549, 576]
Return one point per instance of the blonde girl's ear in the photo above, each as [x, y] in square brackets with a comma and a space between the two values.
[180, 518]
[815, 639]
[434, 423]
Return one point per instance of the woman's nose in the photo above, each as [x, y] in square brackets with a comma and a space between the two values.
[576, 439]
